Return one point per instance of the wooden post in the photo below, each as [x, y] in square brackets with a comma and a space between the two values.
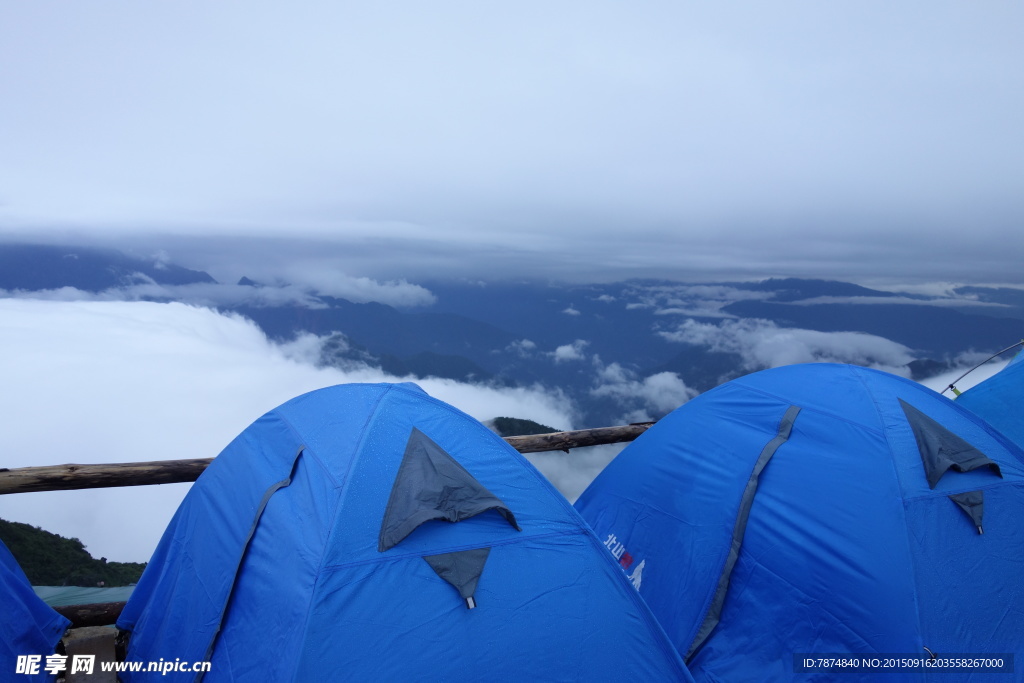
[95, 614]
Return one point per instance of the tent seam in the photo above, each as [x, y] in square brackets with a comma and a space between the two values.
[714, 604]
[645, 610]
[298, 438]
[468, 546]
[261, 508]
[788, 401]
[946, 494]
[338, 499]
[903, 503]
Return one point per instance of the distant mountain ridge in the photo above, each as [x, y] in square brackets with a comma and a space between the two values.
[794, 289]
[611, 348]
[35, 267]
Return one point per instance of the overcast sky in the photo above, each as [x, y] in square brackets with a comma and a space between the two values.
[868, 140]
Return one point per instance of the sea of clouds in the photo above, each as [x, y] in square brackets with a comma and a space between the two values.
[114, 381]
[89, 381]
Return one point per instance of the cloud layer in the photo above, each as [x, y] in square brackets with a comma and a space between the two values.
[586, 140]
[91, 382]
[762, 344]
[651, 397]
[303, 291]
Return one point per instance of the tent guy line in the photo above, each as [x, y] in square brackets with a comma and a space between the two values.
[952, 384]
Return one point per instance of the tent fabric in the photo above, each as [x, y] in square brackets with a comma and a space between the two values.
[999, 400]
[28, 626]
[315, 598]
[847, 547]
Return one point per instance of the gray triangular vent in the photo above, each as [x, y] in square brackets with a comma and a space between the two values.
[461, 569]
[941, 449]
[431, 484]
[973, 505]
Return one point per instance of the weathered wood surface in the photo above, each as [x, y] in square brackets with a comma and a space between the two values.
[563, 441]
[94, 614]
[69, 477]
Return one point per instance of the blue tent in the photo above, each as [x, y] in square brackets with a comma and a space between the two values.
[999, 400]
[370, 532]
[28, 626]
[820, 509]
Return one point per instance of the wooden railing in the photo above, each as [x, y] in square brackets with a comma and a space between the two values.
[71, 477]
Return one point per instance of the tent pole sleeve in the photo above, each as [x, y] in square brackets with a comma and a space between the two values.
[715, 609]
[274, 488]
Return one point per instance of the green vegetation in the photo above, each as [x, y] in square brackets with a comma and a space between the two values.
[513, 426]
[52, 560]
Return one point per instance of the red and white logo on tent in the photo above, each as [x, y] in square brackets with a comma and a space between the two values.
[618, 551]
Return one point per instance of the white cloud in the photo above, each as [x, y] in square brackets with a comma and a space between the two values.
[612, 374]
[700, 301]
[709, 310]
[571, 311]
[572, 472]
[302, 291]
[331, 281]
[940, 289]
[91, 382]
[762, 344]
[161, 259]
[605, 298]
[197, 294]
[522, 347]
[956, 301]
[570, 352]
[665, 391]
[656, 395]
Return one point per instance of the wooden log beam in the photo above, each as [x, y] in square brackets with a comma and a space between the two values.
[563, 441]
[95, 614]
[71, 477]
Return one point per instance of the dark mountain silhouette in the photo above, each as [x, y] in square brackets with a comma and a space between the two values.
[37, 267]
